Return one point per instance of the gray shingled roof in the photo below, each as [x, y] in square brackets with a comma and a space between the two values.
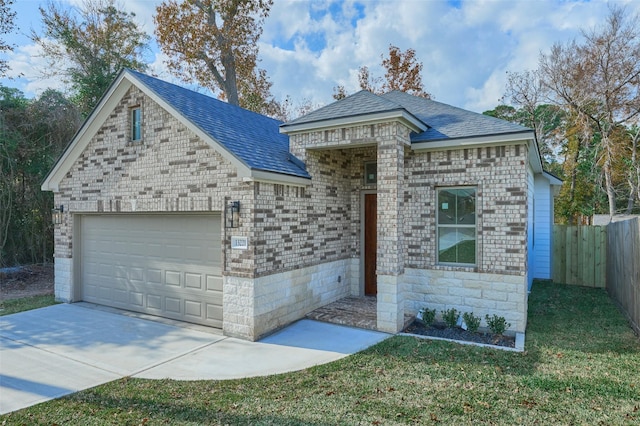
[252, 138]
[443, 121]
[448, 122]
[361, 103]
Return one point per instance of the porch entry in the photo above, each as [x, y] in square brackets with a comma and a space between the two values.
[370, 244]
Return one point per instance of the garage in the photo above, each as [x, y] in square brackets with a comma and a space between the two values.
[165, 265]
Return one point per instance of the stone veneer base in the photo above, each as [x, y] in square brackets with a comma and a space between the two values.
[480, 293]
[255, 307]
[63, 277]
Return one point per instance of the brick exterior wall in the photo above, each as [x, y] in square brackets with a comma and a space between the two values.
[407, 212]
[302, 238]
[170, 170]
[500, 175]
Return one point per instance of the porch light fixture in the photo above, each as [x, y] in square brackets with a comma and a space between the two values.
[233, 214]
[56, 215]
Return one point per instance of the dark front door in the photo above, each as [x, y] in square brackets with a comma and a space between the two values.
[370, 243]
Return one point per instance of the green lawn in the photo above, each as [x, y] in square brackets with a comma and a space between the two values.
[13, 306]
[581, 366]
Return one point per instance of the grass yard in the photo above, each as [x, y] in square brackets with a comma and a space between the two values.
[582, 366]
[12, 306]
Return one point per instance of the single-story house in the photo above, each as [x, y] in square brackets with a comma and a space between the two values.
[179, 205]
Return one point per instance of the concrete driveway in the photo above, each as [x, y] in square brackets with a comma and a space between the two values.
[54, 351]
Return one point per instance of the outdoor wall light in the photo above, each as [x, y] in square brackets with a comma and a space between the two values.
[233, 214]
[56, 215]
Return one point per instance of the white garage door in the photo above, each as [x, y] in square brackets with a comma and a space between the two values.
[166, 265]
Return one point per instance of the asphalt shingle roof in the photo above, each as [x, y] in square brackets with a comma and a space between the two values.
[252, 138]
[443, 121]
[361, 103]
[449, 122]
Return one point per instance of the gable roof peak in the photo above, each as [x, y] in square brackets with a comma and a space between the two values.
[361, 106]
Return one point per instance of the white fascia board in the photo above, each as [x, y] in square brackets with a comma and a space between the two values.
[82, 138]
[398, 115]
[534, 156]
[553, 180]
[490, 140]
[242, 169]
[277, 178]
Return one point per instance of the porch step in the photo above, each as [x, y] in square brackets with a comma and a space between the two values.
[358, 312]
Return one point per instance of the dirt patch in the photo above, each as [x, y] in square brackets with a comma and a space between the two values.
[26, 281]
[456, 333]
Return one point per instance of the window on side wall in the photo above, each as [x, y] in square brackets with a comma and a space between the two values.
[456, 226]
[136, 124]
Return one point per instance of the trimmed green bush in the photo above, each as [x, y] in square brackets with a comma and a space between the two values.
[450, 317]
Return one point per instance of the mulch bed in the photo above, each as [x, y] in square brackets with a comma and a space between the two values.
[25, 281]
[441, 330]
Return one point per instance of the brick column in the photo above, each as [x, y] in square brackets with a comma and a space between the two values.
[390, 259]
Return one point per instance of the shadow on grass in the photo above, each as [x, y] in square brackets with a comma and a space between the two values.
[573, 318]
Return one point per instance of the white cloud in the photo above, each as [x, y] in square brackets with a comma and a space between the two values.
[307, 48]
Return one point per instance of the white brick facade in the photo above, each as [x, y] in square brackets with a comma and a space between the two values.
[305, 240]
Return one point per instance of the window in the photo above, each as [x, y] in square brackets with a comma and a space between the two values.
[370, 173]
[457, 225]
[136, 124]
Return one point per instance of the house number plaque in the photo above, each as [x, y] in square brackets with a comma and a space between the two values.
[239, 243]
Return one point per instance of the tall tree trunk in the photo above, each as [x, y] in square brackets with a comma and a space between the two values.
[634, 174]
[608, 179]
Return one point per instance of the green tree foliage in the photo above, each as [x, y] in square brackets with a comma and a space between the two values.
[215, 43]
[584, 106]
[89, 45]
[597, 79]
[33, 133]
[7, 17]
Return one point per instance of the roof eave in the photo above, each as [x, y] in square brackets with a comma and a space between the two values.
[90, 127]
[527, 137]
[402, 115]
[553, 179]
[278, 178]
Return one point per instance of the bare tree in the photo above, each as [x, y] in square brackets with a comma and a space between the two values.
[403, 72]
[526, 91]
[7, 17]
[599, 79]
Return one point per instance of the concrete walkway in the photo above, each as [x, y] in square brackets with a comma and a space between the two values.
[54, 351]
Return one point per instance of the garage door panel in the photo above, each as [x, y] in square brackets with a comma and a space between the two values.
[214, 283]
[172, 305]
[168, 265]
[172, 278]
[193, 281]
[154, 302]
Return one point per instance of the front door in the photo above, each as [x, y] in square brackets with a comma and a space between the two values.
[370, 243]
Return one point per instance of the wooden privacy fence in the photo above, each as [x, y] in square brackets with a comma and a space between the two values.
[623, 267]
[580, 255]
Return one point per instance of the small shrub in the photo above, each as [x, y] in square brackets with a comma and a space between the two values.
[450, 317]
[428, 316]
[472, 321]
[497, 324]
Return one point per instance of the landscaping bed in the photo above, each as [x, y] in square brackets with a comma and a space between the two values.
[440, 330]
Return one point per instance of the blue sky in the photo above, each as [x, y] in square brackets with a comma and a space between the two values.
[309, 47]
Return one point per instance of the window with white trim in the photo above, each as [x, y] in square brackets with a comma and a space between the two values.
[456, 225]
[136, 124]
